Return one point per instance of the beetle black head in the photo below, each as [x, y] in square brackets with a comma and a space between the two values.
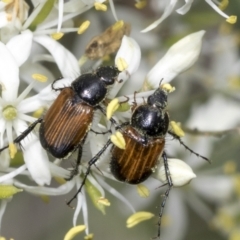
[107, 74]
[158, 98]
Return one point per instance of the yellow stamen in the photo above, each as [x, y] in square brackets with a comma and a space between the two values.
[7, 1]
[12, 150]
[141, 4]
[143, 191]
[57, 35]
[229, 167]
[118, 25]
[38, 113]
[89, 237]
[223, 5]
[104, 201]
[176, 127]
[112, 107]
[83, 27]
[234, 235]
[121, 64]
[168, 87]
[232, 19]
[60, 180]
[137, 218]
[100, 6]
[118, 140]
[39, 77]
[45, 198]
[74, 231]
[7, 191]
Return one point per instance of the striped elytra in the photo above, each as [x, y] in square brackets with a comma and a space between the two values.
[65, 124]
[134, 164]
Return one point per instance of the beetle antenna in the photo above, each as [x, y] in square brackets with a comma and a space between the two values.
[175, 136]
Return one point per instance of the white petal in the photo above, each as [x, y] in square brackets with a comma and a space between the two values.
[214, 188]
[30, 104]
[3, 205]
[20, 46]
[185, 8]
[9, 74]
[181, 56]
[3, 19]
[35, 157]
[221, 114]
[168, 10]
[181, 173]
[131, 53]
[63, 189]
[66, 61]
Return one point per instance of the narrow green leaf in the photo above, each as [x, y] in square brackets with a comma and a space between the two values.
[46, 9]
[95, 195]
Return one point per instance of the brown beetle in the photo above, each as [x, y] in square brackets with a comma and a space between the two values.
[144, 138]
[67, 122]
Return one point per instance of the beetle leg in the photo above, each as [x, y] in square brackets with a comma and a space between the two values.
[90, 163]
[166, 194]
[108, 131]
[189, 149]
[57, 89]
[24, 133]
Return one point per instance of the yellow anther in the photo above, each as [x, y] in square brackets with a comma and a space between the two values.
[168, 87]
[232, 19]
[118, 140]
[82, 60]
[112, 107]
[141, 4]
[57, 35]
[234, 235]
[38, 113]
[45, 198]
[83, 27]
[12, 150]
[89, 237]
[39, 77]
[118, 25]
[7, 191]
[74, 231]
[176, 127]
[100, 6]
[137, 218]
[104, 201]
[143, 191]
[229, 167]
[223, 4]
[7, 1]
[121, 64]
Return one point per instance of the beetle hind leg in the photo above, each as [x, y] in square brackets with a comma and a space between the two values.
[18, 139]
[90, 163]
[166, 194]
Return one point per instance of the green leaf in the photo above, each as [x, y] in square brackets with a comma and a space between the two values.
[42, 15]
[95, 195]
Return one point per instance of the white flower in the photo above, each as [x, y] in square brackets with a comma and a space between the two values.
[181, 173]
[13, 108]
[183, 10]
[181, 56]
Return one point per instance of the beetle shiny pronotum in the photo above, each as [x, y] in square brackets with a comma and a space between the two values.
[144, 139]
[67, 122]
